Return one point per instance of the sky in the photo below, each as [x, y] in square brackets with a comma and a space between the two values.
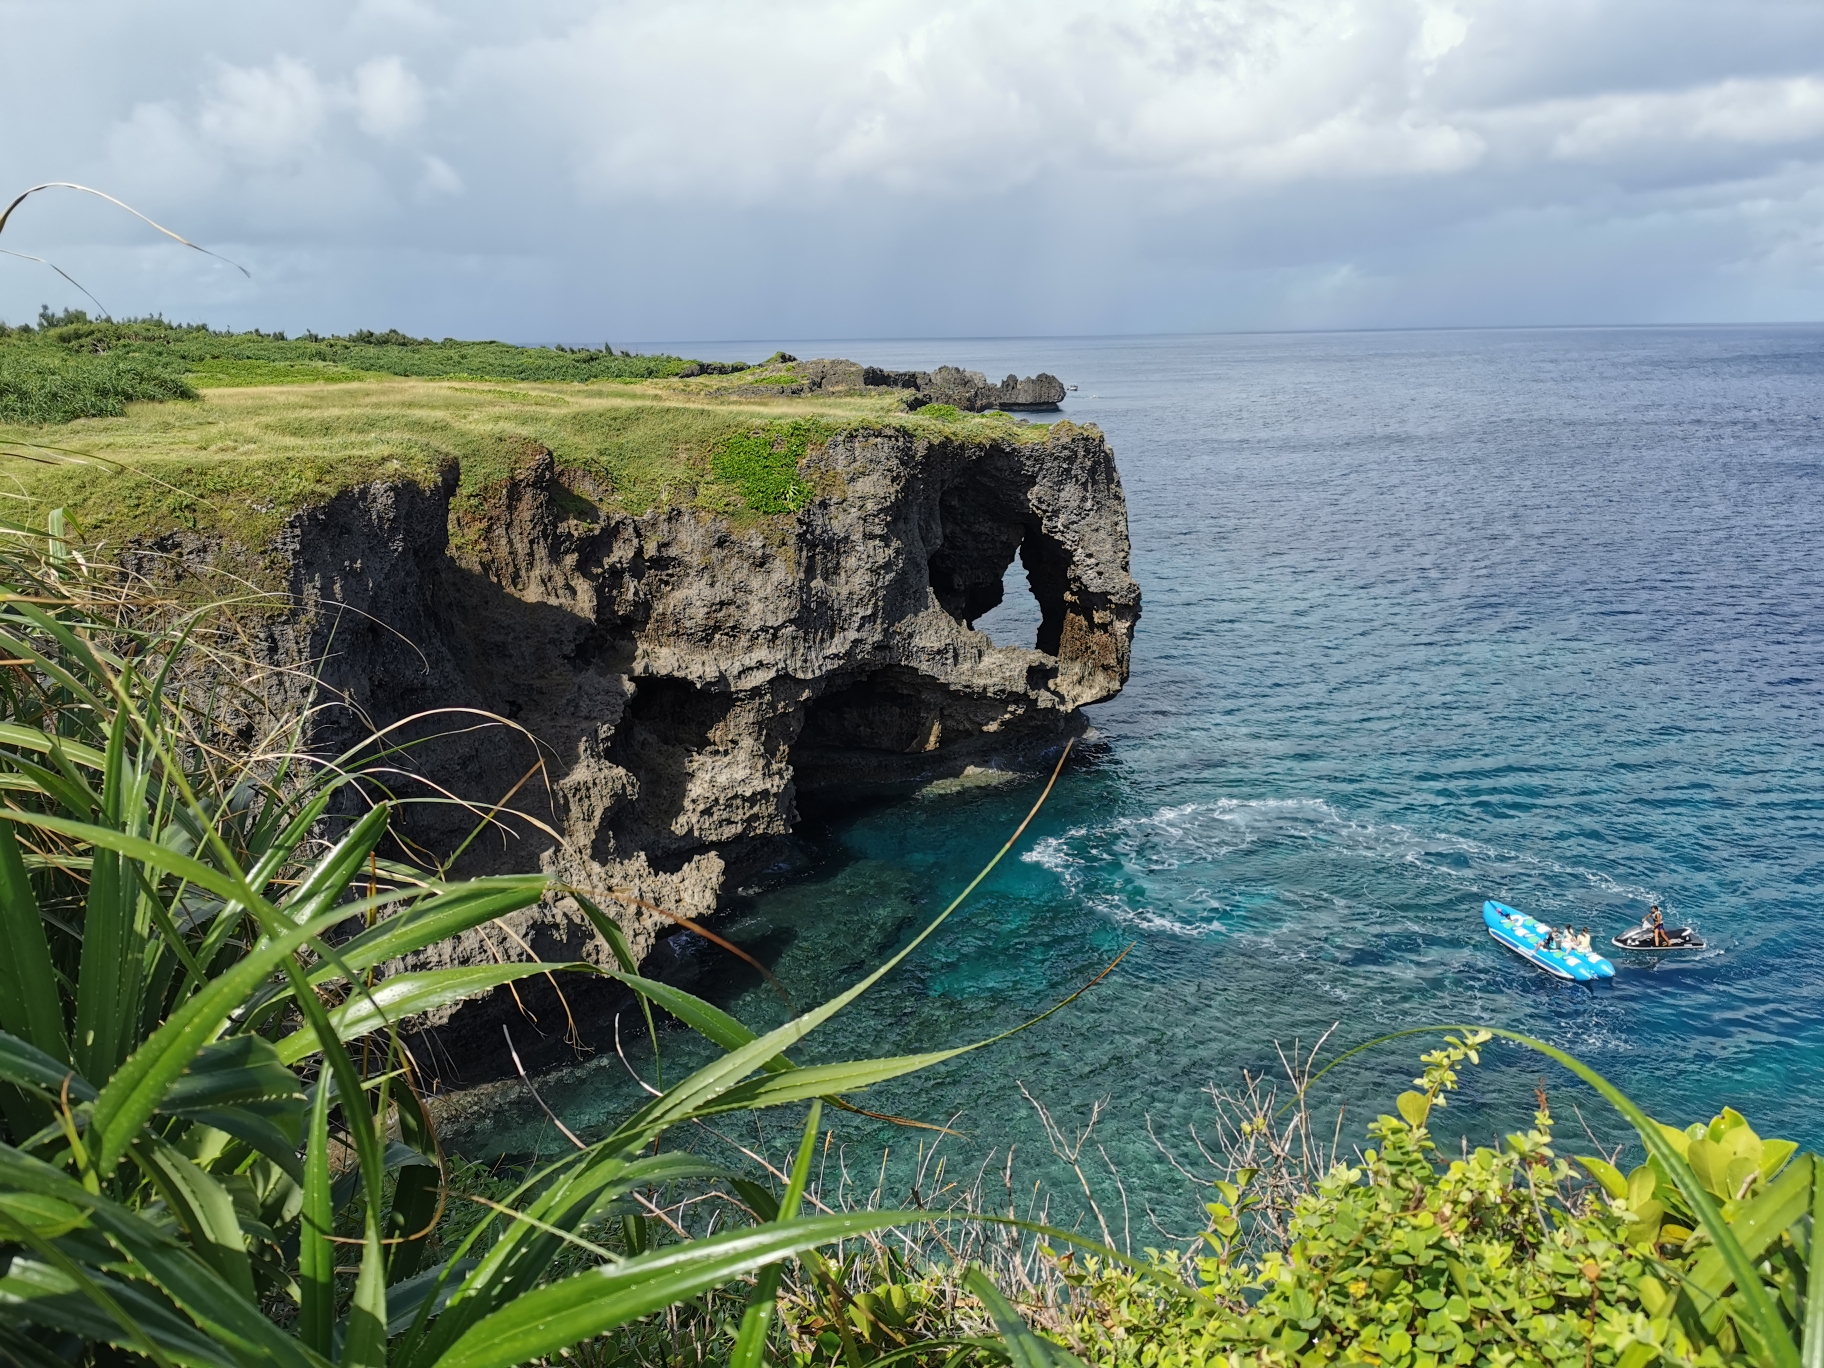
[585, 172]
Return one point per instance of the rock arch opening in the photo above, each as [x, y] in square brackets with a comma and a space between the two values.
[986, 528]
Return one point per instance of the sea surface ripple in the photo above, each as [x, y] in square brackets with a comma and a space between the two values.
[1430, 617]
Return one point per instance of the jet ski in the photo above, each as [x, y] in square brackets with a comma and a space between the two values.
[1525, 936]
[1671, 938]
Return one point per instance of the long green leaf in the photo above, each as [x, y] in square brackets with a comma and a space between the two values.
[1811, 1351]
[34, 1293]
[227, 886]
[757, 1319]
[316, 1220]
[29, 1006]
[431, 920]
[191, 1284]
[1024, 1348]
[140, 1085]
[1756, 1225]
[327, 882]
[31, 739]
[554, 1317]
[30, 1066]
[204, 1208]
[417, 1192]
[823, 1080]
[392, 1000]
[110, 981]
[563, 1197]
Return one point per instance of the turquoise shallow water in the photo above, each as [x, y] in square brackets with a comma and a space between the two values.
[1429, 618]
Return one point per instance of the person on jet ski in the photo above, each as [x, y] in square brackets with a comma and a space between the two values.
[1658, 923]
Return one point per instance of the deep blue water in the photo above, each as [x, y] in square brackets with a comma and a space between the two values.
[1429, 617]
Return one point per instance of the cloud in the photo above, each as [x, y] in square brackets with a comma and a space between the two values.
[893, 166]
[439, 177]
[388, 99]
[265, 114]
[1734, 111]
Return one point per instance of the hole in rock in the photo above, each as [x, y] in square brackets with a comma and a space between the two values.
[668, 721]
[995, 569]
[889, 710]
[1016, 619]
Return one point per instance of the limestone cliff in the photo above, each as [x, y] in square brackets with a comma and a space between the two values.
[685, 682]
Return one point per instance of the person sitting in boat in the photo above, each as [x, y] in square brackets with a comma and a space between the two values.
[1584, 943]
[1551, 937]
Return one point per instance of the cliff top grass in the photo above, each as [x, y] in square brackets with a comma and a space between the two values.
[229, 434]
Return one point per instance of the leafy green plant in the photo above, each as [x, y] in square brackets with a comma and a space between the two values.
[1498, 1256]
[40, 384]
[214, 1151]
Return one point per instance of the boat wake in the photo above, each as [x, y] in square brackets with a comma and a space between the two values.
[1258, 865]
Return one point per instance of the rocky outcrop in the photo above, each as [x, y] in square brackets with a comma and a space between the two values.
[675, 687]
[971, 391]
[968, 390]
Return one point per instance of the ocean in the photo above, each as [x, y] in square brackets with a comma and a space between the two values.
[1429, 618]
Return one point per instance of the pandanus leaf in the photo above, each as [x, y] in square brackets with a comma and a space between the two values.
[757, 1319]
[35, 1293]
[30, 1067]
[29, 1005]
[392, 1000]
[554, 1317]
[1025, 1349]
[140, 1085]
[236, 1324]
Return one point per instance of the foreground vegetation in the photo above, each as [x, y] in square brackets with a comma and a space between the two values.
[215, 1152]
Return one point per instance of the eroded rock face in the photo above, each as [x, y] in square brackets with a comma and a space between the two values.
[683, 684]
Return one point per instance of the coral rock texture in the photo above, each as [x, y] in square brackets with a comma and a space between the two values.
[683, 682]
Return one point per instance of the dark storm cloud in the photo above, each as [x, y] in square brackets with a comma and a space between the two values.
[589, 172]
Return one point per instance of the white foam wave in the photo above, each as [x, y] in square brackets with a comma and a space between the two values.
[1190, 869]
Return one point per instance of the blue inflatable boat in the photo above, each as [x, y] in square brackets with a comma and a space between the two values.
[1525, 936]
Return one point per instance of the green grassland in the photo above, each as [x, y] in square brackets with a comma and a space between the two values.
[230, 446]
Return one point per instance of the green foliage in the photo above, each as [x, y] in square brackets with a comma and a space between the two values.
[42, 384]
[197, 1167]
[944, 413]
[384, 353]
[71, 366]
[1497, 1256]
[762, 463]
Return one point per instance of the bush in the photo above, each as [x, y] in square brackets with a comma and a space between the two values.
[1499, 1256]
[46, 384]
